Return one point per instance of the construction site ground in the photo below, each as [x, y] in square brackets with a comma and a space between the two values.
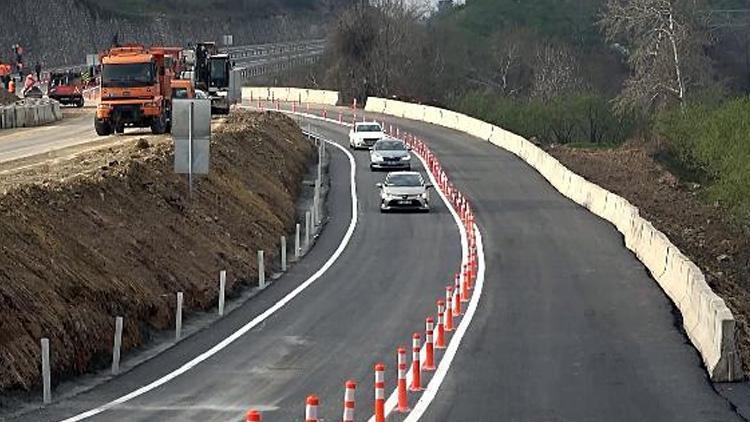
[110, 230]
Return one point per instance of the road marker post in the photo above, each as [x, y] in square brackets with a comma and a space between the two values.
[403, 398]
[429, 361]
[448, 311]
[46, 373]
[261, 271]
[283, 254]
[349, 389]
[311, 408]
[253, 416]
[296, 241]
[116, 347]
[222, 290]
[379, 392]
[178, 317]
[416, 366]
[440, 340]
[464, 284]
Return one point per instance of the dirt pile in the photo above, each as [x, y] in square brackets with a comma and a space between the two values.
[6, 97]
[704, 232]
[115, 232]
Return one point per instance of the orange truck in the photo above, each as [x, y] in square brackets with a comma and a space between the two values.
[136, 88]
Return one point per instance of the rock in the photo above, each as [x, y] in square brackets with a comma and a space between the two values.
[142, 144]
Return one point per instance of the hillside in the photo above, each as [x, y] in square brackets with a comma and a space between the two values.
[66, 30]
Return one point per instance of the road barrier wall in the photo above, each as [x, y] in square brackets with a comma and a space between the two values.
[707, 320]
[298, 95]
[29, 112]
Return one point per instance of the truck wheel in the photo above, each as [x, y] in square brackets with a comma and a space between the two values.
[120, 128]
[103, 127]
[79, 102]
[159, 125]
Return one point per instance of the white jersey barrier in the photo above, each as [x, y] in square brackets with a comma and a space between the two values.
[298, 95]
[707, 320]
[29, 112]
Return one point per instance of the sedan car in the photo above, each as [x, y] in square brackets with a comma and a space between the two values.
[390, 154]
[404, 190]
[365, 134]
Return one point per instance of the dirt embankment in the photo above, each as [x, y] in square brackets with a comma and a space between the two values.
[703, 231]
[114, 232]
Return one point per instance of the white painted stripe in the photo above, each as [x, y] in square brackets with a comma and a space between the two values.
[255, 321]
[392, 401]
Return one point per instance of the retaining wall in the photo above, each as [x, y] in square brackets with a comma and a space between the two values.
[29, 112]
[707, 320]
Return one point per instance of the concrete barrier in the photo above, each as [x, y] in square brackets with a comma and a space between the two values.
[301, 95]
[707, 320]
[30, 112]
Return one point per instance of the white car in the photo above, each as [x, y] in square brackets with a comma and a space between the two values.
[404, 190]
[390, 154]
[365, 134]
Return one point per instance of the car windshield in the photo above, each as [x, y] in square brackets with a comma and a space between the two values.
[403, 180]
[128, 75]
[179, 93]
[390, 146]
[368, 128]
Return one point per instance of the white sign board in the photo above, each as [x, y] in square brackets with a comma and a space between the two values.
[191, 130]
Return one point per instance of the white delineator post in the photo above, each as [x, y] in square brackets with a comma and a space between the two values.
[46, 375]
[261, 271]
[296, 241]
[178, 317]
[222, 290]
[283, 253]
[117, 346]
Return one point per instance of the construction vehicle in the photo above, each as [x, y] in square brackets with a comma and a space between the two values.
[211, 71]
[66, 88]
[136, 88]
[182, 89]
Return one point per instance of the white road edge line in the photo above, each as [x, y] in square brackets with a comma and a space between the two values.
[458, 334]
[255, 321]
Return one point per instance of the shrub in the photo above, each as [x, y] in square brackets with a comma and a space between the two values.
[716, 143]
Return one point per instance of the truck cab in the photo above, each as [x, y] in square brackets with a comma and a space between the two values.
[136, 89]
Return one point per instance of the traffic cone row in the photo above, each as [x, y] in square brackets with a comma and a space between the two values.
[449, 308]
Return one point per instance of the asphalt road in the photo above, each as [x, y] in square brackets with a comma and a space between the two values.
[571, 327]
[369, 302]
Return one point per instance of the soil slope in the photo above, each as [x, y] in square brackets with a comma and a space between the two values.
[114, 232]
[704, 232]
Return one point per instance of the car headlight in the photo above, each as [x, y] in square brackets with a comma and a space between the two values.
[423, 195]
[377, 157]
[405, 158]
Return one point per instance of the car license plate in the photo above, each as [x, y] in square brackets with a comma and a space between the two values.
[404, 202]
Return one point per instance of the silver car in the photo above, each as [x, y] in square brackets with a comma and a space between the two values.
[404, 190]
[390, 153]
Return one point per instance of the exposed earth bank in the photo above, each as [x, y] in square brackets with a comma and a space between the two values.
[702, 230]
[114, 232]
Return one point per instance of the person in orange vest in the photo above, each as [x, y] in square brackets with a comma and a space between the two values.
[12, 86]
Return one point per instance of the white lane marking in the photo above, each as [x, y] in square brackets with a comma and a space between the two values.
[255, 321]
[450, 352]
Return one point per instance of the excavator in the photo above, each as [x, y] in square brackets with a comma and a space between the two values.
[211, 72]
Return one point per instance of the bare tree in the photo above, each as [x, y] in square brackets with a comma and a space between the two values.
[664, 42]
[556, 72]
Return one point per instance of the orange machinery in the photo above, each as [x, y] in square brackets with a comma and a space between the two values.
[136, 88]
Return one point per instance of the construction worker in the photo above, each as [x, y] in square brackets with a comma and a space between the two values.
[38, 71]
[12, 86]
